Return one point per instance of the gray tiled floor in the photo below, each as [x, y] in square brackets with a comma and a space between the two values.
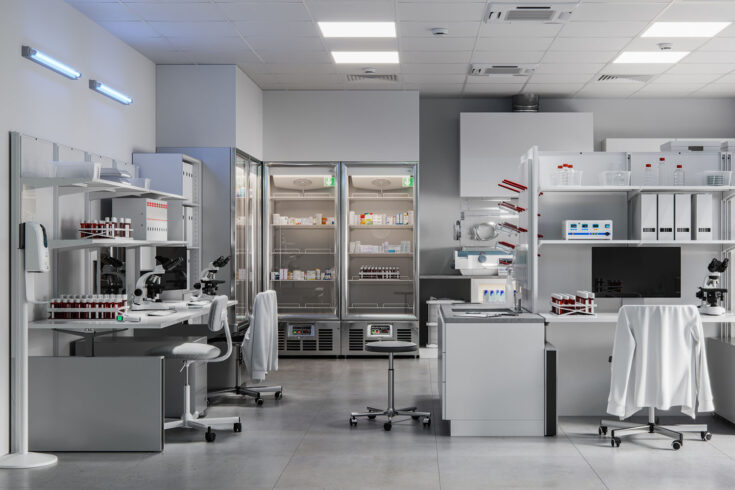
[304, 441]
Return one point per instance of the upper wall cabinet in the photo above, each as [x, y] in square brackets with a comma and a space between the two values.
[491, 144]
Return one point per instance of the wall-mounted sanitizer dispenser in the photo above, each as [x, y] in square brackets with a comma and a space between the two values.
[35, 244]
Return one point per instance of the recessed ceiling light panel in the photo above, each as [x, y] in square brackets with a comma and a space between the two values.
[685, 29]
[358, 29]
[377, 57]
[650, 56]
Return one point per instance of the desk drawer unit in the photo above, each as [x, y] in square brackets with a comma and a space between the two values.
[355, 335]
[303, 338]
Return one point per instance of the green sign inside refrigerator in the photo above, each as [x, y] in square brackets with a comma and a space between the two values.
[408, 181]
[329, 181]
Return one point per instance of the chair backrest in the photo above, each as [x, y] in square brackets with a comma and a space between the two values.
[217, 313]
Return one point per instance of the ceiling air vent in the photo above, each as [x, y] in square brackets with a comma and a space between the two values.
[624, 78]
[544, 13]
[372, 77]
[495, 70]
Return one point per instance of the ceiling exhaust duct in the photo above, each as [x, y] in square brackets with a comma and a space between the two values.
[525, 103]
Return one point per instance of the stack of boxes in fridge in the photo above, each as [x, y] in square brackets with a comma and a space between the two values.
[669, 216]
[316, 220]
[368, 218]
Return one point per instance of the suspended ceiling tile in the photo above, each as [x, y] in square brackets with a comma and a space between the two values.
[694, 68]
[437, 68]
[433, 79]
[177, 12]
[514, 43]
[369, 44]
[683, 79]
[537, 78]
[618, 11]
[519, 29]
[589, 44]
[423, 28]
[579, 56]
[560, 89]
[127, 30]
[277, 29]
[105, 11]
[493, 89]
[602, 29]
[699, 11]
[668, 89]
[348, 10]
[437, 44]
[435, 57]
[510, 57]
[441, 11]
[266, 12]
[569, 67]
[194, 29]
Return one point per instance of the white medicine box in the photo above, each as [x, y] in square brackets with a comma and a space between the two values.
[169, 172]
[149, 217]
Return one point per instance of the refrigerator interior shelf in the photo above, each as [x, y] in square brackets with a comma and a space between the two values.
[381, 280]
[381, 227]
[302, 280]
[397, 255]
[379, 198]
[321, 227]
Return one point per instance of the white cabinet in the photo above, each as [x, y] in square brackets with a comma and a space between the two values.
[490, 144]
[492, 376]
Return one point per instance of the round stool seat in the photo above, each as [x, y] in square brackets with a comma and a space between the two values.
[388, 346]
[190, 351]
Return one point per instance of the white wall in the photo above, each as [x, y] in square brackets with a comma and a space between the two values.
[195, 105]
[341, 126]
[208, 106]
[249, 115]
[39, 102]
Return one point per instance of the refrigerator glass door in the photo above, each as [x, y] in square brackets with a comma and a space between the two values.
[303, 237]
[247, 235]
[380, 240]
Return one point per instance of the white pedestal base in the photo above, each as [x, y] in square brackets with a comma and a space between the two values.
[27, 460]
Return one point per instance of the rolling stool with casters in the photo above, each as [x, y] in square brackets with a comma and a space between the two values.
[391, 347]
[191, 352]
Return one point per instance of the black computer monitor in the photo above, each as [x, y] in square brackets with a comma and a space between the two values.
[636, 272]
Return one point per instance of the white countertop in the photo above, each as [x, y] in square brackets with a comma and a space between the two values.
[613, 318]
[182, 314]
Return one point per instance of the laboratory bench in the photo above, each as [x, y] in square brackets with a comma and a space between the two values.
[492, 371]
[112, 397]
[612, 317]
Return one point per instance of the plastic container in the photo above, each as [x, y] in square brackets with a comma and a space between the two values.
[679, 175]
[574, 177]
[650, 175]
[717, 178]
[615, 177]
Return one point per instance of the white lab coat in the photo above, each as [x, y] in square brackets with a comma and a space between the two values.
[260, 343]
[659, 361]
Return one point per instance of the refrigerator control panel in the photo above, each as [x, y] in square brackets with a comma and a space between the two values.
[380, 331]
[299, 331]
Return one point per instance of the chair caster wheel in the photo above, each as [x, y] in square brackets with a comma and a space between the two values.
[615, 442]
[209, 436]
[427, 421]
[353, 422]
[602, 430]
[706, 436]
[676, 445]
[387, 426]
[371, 417]
[415, 417]
[278, 395]
[237, 427]
[259, 401]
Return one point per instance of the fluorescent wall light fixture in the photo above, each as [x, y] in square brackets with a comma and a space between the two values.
[110, 92]
[377, 57]
[685, 29]
[358, 29]
[45, 60]
[650, 56]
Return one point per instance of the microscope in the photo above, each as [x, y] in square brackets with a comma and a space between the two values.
[207, 285]
[112, 280]
[148, 288]
[711, 294]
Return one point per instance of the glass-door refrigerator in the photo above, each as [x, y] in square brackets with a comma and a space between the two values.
[247, 263]
[380, 260]
[302, 231]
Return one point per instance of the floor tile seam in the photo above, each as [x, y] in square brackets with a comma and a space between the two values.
[571, 441]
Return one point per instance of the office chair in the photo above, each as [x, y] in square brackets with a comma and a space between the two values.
[391, 347]
[638, 328]
[189, 353]
[265, 311]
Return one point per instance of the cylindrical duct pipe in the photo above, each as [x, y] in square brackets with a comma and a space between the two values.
[525, 103]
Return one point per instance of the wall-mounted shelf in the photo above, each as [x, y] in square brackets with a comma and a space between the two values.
[97, 188]
[640, 243]
[82, 243]
[636, 189]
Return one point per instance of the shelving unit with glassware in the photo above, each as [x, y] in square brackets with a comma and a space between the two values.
[380, 264]
[62, 187]
[603, 187]
[301, 263]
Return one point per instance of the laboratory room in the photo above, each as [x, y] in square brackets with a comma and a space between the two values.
[367, 244]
